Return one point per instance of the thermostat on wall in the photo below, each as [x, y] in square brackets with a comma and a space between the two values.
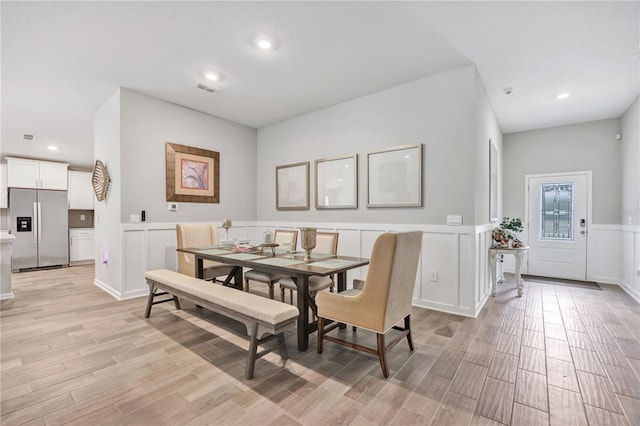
[173, 207]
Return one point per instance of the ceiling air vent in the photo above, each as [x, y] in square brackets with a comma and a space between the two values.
[207, 88]
[27, 137]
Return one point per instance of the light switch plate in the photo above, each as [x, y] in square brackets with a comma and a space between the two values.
[454, 220]
[135, 218]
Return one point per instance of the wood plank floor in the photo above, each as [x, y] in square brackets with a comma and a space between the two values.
[560, 355]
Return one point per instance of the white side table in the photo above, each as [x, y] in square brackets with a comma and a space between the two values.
[519, 253]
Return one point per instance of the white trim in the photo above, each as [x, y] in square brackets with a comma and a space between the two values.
[105, 287]
[5, 296]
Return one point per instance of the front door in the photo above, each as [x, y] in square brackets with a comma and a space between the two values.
[558, 225]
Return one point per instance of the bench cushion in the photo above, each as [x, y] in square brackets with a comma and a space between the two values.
[260, 308]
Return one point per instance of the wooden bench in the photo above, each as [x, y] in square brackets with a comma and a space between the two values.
[262, 316]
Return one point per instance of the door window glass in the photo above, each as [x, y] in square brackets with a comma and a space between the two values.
[556, 221]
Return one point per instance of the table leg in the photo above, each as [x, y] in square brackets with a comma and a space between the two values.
[303, 315]
[492, 263]
[199, 268]
[500, 264]
[519, 280]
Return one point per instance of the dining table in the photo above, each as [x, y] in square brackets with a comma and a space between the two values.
[284, 263]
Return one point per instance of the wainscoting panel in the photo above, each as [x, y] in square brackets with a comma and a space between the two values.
[457, 253]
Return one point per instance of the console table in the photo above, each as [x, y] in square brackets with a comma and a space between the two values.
[519, 253]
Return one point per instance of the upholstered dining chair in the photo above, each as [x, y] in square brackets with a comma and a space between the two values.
[384, 300]
[198, 235]
[282, 236]
[326, 243]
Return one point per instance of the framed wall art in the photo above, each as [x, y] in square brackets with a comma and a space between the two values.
[493, 182]
[394, 177]
[192, 174]
[292, 186]
[337, 183]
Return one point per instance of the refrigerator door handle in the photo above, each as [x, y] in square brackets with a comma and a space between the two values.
[35, 218]
[39, 222]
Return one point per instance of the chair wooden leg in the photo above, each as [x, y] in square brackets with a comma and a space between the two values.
[246, 285]
[354, 328]
[152, 290]
[291, 296]
[407, 326]
[282, 294]
[382, 355]
[320, 334]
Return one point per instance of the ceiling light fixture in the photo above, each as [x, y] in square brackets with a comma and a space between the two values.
[53, 147]
[263, 43]
[564, 95]
[212, 76]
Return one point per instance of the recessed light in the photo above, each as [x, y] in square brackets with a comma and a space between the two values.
[212, 76]
[53, 147]
[265, 42]
[564, 95]
[507, 90]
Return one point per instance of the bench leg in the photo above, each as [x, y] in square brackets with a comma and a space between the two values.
[283, 346]
[152, 290]
[253, 350]
[176, 302]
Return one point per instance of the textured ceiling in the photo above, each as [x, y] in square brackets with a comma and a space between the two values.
[62, 60]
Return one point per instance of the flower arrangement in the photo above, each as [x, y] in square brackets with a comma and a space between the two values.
[506, 235]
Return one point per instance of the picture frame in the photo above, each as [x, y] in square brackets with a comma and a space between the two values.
[292, 186]
[394, 177]
[192, 174]
[336, 182]
[493, 182]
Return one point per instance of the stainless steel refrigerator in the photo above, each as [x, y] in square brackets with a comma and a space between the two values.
[40, 223]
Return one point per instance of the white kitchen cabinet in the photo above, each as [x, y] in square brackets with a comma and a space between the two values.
[4, 191]
[81, 244]
[80, 191]
[23, 173]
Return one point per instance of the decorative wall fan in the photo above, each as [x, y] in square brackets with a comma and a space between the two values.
[100, 180]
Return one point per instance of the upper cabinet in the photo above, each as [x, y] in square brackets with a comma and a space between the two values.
[80, 191]
[35, 174]
[3, 187]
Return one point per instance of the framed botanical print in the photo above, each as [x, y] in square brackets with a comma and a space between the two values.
[292, 186]
[192, 174]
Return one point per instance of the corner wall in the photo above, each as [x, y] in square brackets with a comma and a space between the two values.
[130, 134]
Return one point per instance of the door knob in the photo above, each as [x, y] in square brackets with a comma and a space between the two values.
[582, 232]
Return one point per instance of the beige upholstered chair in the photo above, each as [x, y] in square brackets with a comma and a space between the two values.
[326, 243]
[281, 237]
[198, 235]
[384, 300]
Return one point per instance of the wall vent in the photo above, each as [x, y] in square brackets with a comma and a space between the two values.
[27, 137]
[207, 88]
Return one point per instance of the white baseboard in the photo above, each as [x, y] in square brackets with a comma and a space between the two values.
[116, 294]
[5, 296]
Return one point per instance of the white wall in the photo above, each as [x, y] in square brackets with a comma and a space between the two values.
[631, 165]
[630, 212]
[130, 134]
[486, 128]
[147, 124]
[578, 147]
[106, 147]
[436, 111]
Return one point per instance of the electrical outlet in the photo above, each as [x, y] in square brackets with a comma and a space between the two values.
[434, 276]
[82, 217]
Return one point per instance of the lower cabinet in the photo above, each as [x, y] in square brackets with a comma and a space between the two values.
[81, 245]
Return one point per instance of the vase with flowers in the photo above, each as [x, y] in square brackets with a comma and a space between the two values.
[506, 234]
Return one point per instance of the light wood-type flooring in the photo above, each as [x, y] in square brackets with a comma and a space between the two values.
[72, 354]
